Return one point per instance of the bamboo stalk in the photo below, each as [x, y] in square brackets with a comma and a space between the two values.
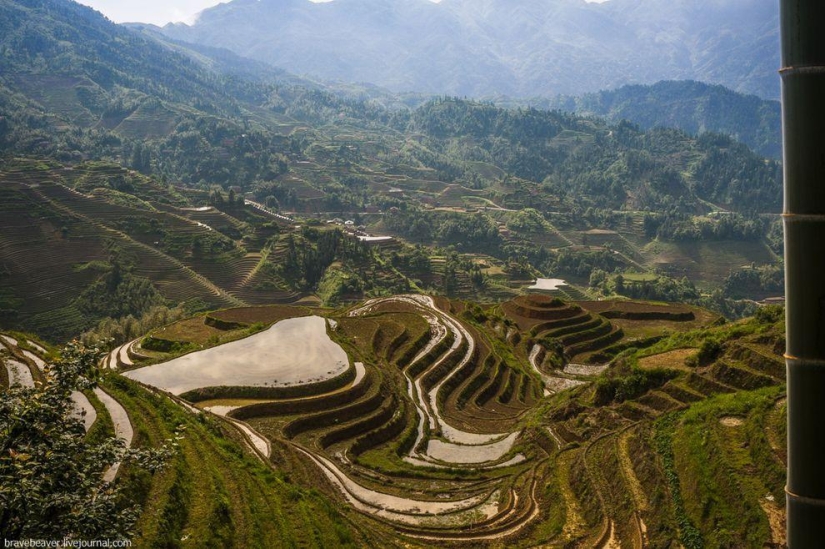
[803, 120]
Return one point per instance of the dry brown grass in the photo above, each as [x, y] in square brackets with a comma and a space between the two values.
[267, 314]
[191, 330]
[675, 360]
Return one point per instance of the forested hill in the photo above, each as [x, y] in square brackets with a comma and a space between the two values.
[613, 167]
[127, 139]
[166, 110]
[60, 38]
[75, 86]
[692, 106]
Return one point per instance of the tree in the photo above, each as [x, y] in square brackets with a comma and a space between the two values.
[619, 284]
[51, 483]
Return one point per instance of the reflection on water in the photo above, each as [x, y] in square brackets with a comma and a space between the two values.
[549, 284]
[291, 352]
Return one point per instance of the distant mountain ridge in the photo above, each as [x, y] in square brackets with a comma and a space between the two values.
[690, 106]
[520, 48]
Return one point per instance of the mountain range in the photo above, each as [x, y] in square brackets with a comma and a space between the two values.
[518, 48]
[691, 106]
[77, 90]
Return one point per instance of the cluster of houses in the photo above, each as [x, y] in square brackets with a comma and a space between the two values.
[360, 232]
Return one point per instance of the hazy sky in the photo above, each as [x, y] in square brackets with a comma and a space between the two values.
[161, 12]
[158, 12]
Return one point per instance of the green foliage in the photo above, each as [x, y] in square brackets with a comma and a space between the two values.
[477, 232]
[770, 314]
[115, 331]
[729, 468]
[309, 255]
[662, 288]
[677, 226]
[760, 281]
[337, 284]
[689, 535]
[694, 107]
[580, 264]
[118, 294]
[708, 352]
[206, 125]
[50, 474]
[626, 381]
[597, 167]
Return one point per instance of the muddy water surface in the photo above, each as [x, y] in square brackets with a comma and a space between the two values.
[291, 352]
[19, 373]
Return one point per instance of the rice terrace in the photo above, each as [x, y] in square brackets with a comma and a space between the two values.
[449, 423]
[245, 308]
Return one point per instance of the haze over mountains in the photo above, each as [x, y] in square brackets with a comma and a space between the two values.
[691, 106]
[519, 48]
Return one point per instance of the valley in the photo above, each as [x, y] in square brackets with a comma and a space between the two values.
[245, 308]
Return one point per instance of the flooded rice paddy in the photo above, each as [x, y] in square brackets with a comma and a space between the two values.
[19, 373]
[461, 454]
[291, 352]
[83, 410]
[548, 284]
[123, 427]
[41, 364]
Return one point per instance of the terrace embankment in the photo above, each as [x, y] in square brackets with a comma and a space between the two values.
[460, 424]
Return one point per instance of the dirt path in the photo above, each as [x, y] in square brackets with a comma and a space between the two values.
[632, 481]
[774, 440]
[776, 519]
[636, 490]
[574, 524]
[612, 541]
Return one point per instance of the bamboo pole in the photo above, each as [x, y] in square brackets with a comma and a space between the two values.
[803, 121]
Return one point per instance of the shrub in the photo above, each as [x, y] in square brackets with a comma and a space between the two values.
[634, 383]
[708, 352]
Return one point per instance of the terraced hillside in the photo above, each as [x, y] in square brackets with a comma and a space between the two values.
[534, 422]
[211, 492]
[81, 243]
